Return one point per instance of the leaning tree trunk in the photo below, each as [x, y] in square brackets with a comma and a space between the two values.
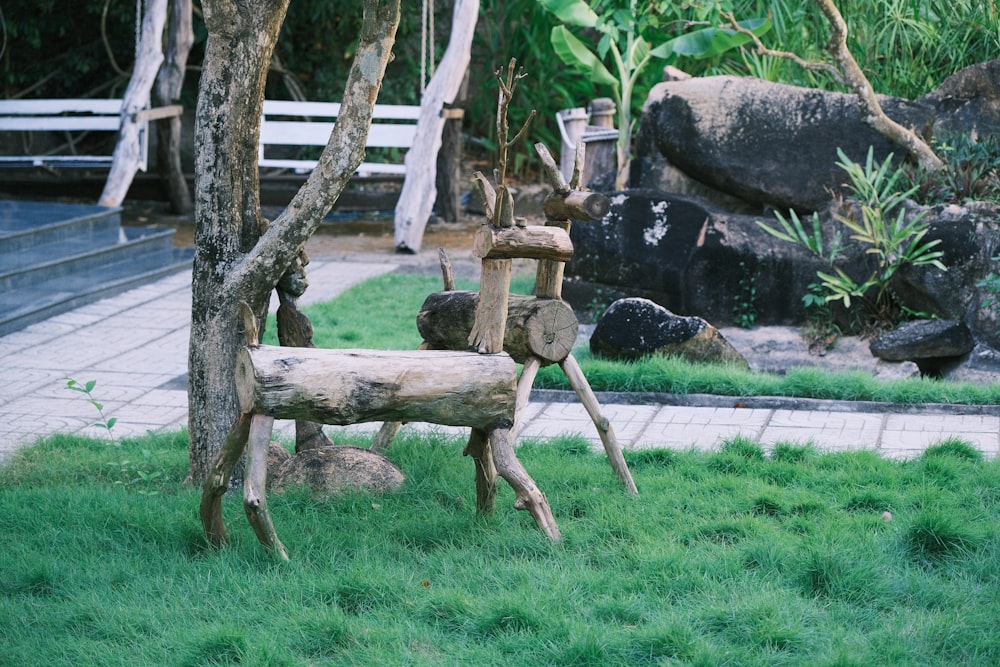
[416, 199]
[234, 260]
[125, 160]
[180, 37]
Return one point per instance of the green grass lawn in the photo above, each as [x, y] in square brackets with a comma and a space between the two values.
[381, 314]
[738, 557]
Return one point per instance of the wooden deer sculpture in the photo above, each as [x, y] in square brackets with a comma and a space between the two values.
[541, 329]
[341, 387]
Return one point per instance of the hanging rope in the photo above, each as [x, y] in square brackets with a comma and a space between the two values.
[427, 49]
[138, 27]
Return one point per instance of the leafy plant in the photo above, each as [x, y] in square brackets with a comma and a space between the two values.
[621, 29]
[132, 472]
[971, 171]
[991, 283]
[107, 423]
[821, 330]
[893, 240]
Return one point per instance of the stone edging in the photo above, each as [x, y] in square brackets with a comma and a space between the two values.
[764, 402]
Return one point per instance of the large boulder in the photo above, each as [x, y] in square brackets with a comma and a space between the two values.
[693, 260]
[633, 328]
[776, 145]
[328, 471]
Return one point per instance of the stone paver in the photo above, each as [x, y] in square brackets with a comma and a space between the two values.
[135, 346]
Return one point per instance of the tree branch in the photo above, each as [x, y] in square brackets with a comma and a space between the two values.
[264, 265]
[871, 111]
[849, 73]
[762, 50]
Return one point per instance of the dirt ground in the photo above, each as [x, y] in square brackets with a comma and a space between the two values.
[341, 233]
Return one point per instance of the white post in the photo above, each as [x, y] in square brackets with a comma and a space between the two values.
[572, 124]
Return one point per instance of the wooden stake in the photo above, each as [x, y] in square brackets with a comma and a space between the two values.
[578, 381]
[255, 485]
[478, 448]
[217, 482]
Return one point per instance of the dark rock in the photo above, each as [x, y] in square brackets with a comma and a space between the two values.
[688, 259]
[332, 470]
[776, 145]
[969, 237]
[694, 260]
[924, 340]
[969, 98]
[768, 143]
[633, 328]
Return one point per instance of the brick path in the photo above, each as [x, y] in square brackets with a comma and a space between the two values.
[135, 346]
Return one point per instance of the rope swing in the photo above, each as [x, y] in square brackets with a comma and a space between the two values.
[427, 49]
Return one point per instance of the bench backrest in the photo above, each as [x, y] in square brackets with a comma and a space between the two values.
[287, 123]
[59, 115]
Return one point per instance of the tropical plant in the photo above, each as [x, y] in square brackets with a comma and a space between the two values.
[971, 171]
[624, 31]
[878, 221]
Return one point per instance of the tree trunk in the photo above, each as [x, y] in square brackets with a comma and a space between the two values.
[125, 160]
[449, 179]
[357, 386]
[543, 328]
[417, 196]
[233, 261]
[180, 37]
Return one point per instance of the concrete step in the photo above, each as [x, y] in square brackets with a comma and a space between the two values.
[25, 225]
[71, 259]
[54, 257]
[23, 307]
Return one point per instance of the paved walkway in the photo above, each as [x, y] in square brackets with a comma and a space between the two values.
[135, 347]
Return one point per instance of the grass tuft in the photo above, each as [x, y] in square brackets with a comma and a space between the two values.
[934, 536]
[954, 448]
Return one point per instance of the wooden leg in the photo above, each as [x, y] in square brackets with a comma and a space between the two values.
[310, 435]
[386, 434]
[529, 497]
[486, 475]
[255, 482]
[218, 481]
[578, 381]
[524, 384]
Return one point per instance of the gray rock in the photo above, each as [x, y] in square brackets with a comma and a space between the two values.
[276, 455]
[776, 145]
[980, 366]
[633, 328]
[332, 470]
[921, 340]
[780, 349]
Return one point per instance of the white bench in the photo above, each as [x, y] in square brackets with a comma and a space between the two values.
[74, 115]
[300, 124]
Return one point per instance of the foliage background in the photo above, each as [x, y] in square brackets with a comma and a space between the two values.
[907, 47]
